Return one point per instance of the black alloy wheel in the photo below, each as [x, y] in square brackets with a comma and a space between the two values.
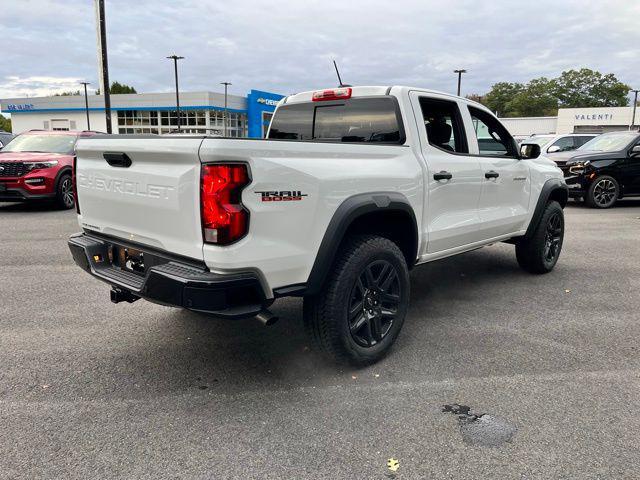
[553, 237]
[603, 193]
[374, 303]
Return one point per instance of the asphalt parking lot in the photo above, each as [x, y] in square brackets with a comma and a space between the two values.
[89, 389]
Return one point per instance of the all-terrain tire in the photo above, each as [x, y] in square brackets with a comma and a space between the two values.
[540, 252]
[358, 314]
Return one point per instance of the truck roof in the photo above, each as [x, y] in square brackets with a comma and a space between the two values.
[366, 91]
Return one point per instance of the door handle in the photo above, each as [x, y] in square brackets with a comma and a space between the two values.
[442, 175]
[117, 159]
[491, 174]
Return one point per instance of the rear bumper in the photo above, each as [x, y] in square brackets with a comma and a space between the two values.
[172, 282]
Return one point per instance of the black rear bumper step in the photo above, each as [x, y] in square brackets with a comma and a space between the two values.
[169, 282]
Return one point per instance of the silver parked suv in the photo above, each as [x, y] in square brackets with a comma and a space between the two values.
[560, 143]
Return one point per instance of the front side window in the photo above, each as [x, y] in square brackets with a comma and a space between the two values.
[579, 141]
[443, 125]
[42, 143]
[565, 143]
[493, 139]
[359, 120]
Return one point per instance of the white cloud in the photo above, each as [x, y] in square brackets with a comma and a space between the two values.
[37, 86]
[287, 45]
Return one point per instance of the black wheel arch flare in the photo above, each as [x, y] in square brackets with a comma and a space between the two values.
[553, 189]
[348, 212]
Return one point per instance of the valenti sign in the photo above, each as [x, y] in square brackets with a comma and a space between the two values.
[594, 116]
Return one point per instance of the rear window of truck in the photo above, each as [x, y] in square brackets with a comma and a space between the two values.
[358, 120]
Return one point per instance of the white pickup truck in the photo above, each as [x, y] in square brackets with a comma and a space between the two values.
[352, 188]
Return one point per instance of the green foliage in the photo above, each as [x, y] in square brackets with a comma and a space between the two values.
[588, 88]
[499, 97]
[537, 99]
[5, 123]
[542, 96]
[117, 88]
[66, 94]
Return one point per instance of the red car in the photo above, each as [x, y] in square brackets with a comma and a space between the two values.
[38, 165]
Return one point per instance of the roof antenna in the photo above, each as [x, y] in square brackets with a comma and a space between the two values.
[338, 73]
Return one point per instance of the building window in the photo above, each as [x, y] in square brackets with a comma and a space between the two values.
[236, 123]
[193, 121]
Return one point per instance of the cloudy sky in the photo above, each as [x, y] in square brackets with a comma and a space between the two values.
[287, 46]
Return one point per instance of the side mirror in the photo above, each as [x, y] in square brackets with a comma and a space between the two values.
[554, 149]
[635, 150]
[529, 150]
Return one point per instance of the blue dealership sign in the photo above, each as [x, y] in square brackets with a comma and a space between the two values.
[260, 107]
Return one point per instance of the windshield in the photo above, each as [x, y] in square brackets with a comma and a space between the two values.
[42, 143]
[542, 141]
[609, 142]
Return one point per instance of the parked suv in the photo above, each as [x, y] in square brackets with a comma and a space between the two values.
[352, 188]
[37, 165]
[604, 169]
[559, 143]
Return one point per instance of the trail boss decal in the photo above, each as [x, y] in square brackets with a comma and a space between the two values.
[282, 196]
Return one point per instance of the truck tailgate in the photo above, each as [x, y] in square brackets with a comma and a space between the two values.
[154, 201]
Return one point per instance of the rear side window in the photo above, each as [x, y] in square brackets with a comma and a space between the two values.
[443, 124]
[359, 120]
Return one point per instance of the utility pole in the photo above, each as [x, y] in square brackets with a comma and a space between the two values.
[635, 103]
[175, 59]
[86, 103]
[459, 72]
[226, 84]
[103, 63]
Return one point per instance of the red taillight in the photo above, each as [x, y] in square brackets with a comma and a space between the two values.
[74, 184]
[224, 219]
[332, 94]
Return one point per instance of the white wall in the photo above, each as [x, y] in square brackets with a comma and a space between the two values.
[530, 125]
[21, 122]
[606, 117]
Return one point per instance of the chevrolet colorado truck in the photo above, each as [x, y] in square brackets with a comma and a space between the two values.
[351, 189]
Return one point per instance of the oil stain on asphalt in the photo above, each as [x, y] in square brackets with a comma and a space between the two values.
[482, 430]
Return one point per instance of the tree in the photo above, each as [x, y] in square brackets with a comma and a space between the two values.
[5, 123]
[499, 97]
[542, 96]
[588, 88]
[475, 97]
[537, 99]
[66, 94]
[117, 88]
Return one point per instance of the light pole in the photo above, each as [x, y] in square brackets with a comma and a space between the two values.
[86, 103]
[226, 85]
[635, 103]
[175, 59]
[459, 72]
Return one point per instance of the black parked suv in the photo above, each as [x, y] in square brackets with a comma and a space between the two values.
[603, 169]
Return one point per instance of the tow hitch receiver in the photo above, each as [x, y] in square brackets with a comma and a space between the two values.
[119, 295]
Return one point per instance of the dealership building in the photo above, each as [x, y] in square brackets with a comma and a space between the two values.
[147, 113]
[575, 120]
